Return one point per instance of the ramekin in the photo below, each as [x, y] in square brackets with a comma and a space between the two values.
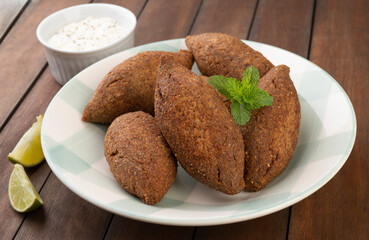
[65, 64]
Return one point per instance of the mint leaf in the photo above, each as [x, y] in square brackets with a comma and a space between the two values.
[262, 98]
[218, 82]
[248, 95]
[240, 113]
[250, 76]
[234, 88]
[245, 95]
[254, 97]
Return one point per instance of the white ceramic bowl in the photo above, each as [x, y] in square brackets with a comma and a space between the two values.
[64, 64]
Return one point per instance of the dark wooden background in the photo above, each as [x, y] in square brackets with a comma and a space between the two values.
[334, 34]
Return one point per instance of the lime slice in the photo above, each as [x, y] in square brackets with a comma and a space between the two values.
[28, 150]
[22, 194]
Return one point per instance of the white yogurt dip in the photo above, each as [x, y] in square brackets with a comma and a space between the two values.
[88, 34]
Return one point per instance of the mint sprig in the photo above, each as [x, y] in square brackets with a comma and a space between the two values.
[245, 95]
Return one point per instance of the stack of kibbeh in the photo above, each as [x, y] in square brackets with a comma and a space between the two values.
[193, 123]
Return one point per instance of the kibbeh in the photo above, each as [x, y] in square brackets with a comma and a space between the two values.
[130, 86]
[199, 129]
[226, 55]
[271, 135]
[139, 156]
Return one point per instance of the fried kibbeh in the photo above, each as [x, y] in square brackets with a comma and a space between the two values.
[271, 135]
[139, 156]
[226, 55]
[199, 129]
[130, 86]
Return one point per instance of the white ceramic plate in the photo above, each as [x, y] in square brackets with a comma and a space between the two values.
[74, 149]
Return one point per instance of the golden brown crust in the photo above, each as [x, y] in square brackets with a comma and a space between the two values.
[139, 156]
[223, 54]
[130, 86]
[199, 129]
[271, 135]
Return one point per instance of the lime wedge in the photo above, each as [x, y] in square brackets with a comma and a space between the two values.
[28, 150]
[22, 194]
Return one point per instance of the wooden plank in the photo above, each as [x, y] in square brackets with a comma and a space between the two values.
[64, 216]
[273, 226]
[231, 17]
[48, 219]
[34, 104]
[22, 56]
[9, 9]
[285, 24]
[132, 229]
[134, 6]
[266, 28]
[163, 20]
[340, 45]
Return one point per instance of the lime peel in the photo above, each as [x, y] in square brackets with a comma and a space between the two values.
[28, 151]
[22, 194]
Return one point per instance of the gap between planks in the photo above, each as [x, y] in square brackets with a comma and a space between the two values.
[308, 57]
[13, 22]
[21, 99]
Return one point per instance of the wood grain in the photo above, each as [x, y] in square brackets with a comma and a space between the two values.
[340, 45]
[276, 225]
[266, 28]
[34, 104]
[231, 17]
[22, 56]
[64, 215]
[134, 6]
[132, 229]
[9, 10]
[163, 20]
[285, 24]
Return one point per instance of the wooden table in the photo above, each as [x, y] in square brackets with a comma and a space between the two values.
[334, 34]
